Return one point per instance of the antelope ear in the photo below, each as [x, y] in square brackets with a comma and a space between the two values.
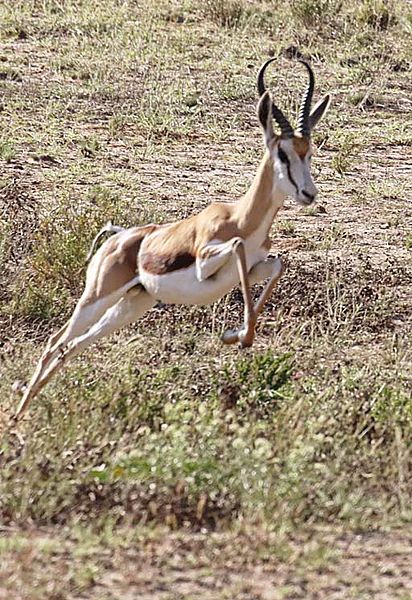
[264, 111]
[318, 111]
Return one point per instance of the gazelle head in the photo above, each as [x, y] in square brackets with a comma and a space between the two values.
[291, 150]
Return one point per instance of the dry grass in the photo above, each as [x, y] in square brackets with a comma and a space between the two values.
[146, 111]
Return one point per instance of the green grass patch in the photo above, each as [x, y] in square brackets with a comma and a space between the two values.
[145, 112]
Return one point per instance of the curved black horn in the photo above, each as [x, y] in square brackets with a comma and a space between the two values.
[261, 77]
[304, 112]
[285, 127]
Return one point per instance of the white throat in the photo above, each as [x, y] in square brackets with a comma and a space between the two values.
[278, 195]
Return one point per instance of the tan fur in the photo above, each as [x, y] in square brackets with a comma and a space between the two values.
[173, 245]
[194, 261]
[177, 245]
[116, 264]
[267, 244]
[301, 146]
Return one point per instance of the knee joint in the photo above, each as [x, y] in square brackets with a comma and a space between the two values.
[237, 242]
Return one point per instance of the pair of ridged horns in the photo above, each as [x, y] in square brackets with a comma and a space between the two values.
[304, 124]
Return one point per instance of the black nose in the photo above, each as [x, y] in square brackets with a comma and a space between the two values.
[310, 197]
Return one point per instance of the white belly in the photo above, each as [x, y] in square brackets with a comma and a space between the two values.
[183, 287]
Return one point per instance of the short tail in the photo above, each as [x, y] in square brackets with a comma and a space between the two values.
[108, 228]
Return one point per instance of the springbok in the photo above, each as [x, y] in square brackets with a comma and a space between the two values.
[199, 259]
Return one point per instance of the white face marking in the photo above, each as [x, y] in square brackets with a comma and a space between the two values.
[293, 172]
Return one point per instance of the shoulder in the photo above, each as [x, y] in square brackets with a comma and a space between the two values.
[220, 209]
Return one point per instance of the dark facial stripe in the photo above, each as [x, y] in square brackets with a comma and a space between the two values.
[292, 181]
[285, 159]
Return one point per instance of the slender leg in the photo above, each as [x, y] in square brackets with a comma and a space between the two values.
[278, 270]
[84, 316]
[76, 325]
[246, 334]
[264, 270]
[53, 339]
[127, 310]
[269, 268]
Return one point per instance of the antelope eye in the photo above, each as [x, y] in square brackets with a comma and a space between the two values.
[282, 156]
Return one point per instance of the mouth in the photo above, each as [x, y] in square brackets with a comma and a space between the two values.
[305, 200]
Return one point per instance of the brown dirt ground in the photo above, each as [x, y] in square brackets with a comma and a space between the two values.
[324, 565]
[318, 565]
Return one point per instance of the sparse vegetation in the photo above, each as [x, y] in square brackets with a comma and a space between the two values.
[6, 151]
[160, 444]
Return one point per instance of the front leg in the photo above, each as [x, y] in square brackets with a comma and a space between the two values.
[265, 269]
[245, 335]
[277, 272]
[211, 259]
[270, 268]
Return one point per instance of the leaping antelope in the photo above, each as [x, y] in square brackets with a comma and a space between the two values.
[199, 259]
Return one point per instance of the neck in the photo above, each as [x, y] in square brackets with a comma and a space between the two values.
[263, 199]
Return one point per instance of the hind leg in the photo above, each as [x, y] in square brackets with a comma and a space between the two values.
[127, 310]
[76, 325]
[45, 356]
[84, 316]
[110, 275]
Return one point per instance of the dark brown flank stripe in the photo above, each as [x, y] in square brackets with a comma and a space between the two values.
[160, 265]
